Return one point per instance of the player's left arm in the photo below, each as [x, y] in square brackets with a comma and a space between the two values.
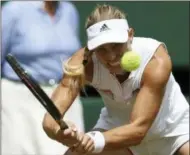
[147, 105]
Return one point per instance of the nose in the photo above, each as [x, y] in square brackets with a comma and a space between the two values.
[111, 56]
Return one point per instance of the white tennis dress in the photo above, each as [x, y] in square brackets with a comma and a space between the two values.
[171, 127]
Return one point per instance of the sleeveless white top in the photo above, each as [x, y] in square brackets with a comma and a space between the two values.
[173, 117]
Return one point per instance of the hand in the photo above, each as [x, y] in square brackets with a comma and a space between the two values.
[67, 137]
[85, 144]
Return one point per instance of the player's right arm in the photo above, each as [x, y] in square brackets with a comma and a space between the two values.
[63, 97]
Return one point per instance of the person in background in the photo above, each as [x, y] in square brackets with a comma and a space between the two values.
[40, 34]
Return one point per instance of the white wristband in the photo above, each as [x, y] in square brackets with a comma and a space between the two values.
[99, 141]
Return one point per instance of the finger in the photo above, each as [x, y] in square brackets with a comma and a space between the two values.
[73, 148]
[83, 143]
[60, 135]
[67, 132]
[73, 134]
[72, 125]
[77, 147]
[80, 136]
[85, 140]
[77, 136]
[89, 146]
[74, 128]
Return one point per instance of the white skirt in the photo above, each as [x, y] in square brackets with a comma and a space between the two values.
[22, 116]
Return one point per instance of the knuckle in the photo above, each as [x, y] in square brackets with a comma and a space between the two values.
[83, 144]
[88, 137]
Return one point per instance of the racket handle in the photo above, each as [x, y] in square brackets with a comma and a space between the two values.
[63, 125]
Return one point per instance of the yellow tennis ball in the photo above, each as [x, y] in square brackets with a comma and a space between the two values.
[130, 61]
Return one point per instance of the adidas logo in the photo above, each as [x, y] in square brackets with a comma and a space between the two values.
[104, 28]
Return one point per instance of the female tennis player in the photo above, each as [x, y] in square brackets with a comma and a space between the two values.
[145, 111]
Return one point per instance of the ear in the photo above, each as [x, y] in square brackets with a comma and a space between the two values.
[131, 33]
[87, 54]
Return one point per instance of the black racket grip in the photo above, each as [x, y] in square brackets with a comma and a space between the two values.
[62, 125]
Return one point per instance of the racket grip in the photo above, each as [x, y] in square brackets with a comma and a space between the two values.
[63, 125]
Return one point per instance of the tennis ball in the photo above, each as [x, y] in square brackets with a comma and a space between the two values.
[130, 61]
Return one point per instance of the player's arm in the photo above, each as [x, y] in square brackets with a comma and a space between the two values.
[147, 103]
[64, 95]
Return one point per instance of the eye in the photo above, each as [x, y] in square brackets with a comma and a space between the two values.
[114, 45]
[118, 45]
[101, 49]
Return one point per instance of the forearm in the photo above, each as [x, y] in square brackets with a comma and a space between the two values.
[123, 137]
[63, 97]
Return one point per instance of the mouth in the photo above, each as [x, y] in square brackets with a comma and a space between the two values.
[114, 64]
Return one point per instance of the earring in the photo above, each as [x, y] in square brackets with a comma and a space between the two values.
[84, 62]
[86, 55]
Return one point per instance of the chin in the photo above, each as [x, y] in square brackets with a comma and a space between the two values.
[120, 73]
[117, 71]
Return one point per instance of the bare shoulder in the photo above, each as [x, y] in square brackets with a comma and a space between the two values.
[157, 71]
[77, 59]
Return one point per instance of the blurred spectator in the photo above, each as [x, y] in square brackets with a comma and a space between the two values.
[41, 35]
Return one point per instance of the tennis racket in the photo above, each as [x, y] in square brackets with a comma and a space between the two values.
[33, 86]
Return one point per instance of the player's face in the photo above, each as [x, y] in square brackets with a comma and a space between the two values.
[110, 56]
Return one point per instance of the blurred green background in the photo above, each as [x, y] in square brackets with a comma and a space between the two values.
[165, 21]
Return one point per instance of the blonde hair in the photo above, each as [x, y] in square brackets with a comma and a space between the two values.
[104, 12]
[100, 13]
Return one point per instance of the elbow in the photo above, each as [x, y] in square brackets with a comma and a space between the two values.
[139, 128]
[139, 133]
[44, 124]
[139, 136]
[47, 127]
